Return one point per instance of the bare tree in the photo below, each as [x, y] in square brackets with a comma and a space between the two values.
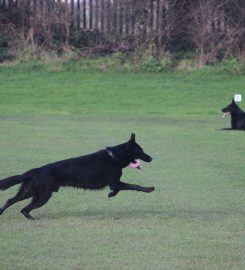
[212, 30]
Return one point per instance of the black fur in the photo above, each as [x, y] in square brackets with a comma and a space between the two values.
[237, 116]
[94, 171]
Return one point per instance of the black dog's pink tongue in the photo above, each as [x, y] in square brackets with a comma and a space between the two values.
[226, 114]
[135, 164]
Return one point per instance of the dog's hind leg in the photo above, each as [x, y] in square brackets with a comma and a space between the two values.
[23, 194]
[39, 199]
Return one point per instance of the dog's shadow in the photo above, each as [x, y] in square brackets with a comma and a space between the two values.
[131, 214]
[225, 129]
[93, 214]
[229, 129]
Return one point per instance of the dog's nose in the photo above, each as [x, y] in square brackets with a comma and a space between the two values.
[150, 159]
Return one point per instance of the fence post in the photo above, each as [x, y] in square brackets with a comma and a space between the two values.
[108, 14]
[84, 15]
[127, 10]
[133, 19]
[115, 5]
[90, 14]
[102, 10]
[120, 18]
[72, 13]
[78, 15]
[96, 14]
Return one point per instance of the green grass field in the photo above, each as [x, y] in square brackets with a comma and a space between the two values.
[195, 219]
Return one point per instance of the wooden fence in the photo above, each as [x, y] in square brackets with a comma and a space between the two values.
[117, 17]
[172, 25]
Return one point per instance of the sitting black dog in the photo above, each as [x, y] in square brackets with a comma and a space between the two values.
[94, 171]
[237, 116]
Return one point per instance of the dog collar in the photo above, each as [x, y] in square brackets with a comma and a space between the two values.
[109, 152]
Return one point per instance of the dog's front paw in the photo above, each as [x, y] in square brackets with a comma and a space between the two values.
[110, 194]
[150, 189]
[113, 193]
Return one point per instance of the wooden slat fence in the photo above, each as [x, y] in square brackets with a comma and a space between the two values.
[173, 24]
[113, 17]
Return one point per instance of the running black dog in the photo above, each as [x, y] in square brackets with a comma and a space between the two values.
[237, 116]
[94, 171]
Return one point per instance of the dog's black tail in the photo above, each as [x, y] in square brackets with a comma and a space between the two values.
[11, 181]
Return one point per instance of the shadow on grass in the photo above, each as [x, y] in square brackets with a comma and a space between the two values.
[229, 129]
[225, 129]
[185, 214]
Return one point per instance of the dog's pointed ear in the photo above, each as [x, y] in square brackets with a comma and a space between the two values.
[233, 101]
[131, 141]
[132, 138]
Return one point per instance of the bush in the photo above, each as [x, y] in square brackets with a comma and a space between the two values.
[155, 65]
[232, 65]
[4, 52]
